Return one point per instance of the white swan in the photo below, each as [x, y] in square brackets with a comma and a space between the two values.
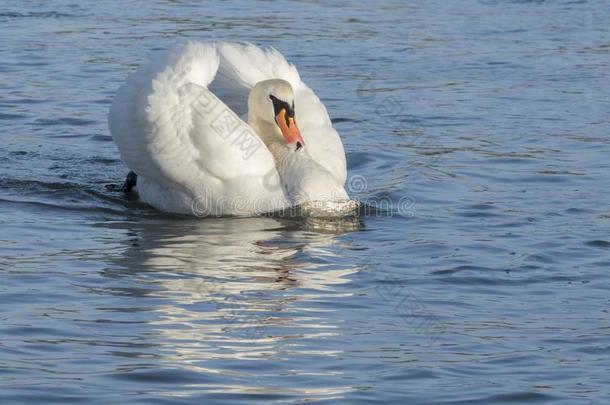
[211, 129]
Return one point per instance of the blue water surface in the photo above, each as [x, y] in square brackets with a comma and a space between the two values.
[477, 132]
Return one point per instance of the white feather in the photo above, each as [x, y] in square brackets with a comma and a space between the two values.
[177, 124]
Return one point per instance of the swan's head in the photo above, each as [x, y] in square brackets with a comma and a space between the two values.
[272, 102]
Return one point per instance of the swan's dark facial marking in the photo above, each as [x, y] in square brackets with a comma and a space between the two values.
[279, 105]
[285, 120]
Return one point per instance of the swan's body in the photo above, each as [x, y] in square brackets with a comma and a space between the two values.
[210, 130]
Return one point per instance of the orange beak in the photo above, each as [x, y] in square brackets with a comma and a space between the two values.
[289, 129]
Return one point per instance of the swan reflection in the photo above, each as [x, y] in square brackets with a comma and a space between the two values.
[243, 289]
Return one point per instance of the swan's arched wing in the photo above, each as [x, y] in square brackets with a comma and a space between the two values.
[172, 130]
[151, 119]
[243, 65]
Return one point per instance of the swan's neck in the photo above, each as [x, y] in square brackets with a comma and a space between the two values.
[272, 138]
[302, 178]
[269, 133]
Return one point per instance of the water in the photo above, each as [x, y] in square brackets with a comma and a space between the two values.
[479, 129]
